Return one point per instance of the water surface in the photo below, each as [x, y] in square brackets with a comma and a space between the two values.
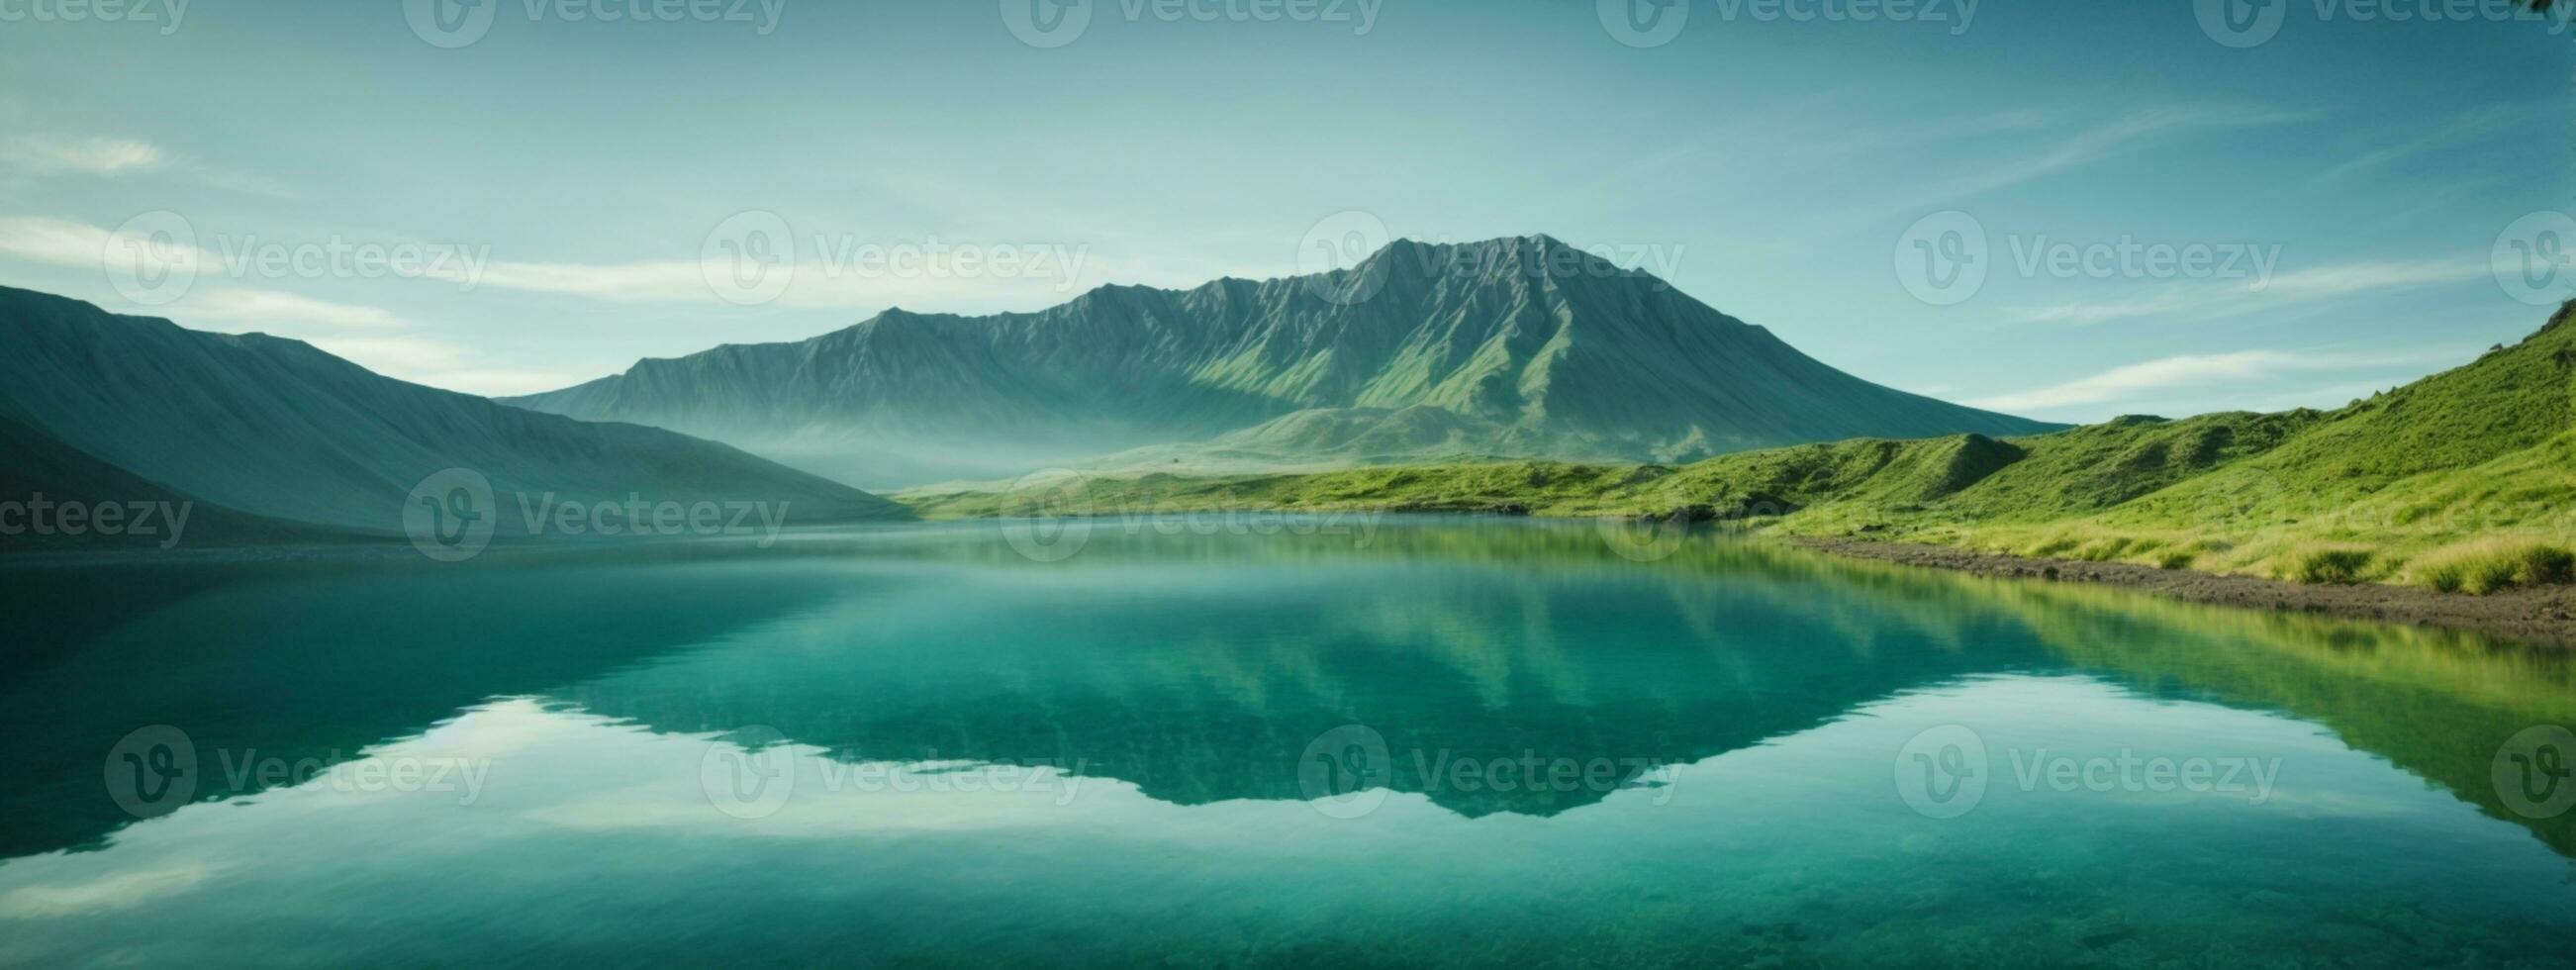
[1429, 742]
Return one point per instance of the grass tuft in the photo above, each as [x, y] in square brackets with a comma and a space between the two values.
[2494, 565]
[2331, 564]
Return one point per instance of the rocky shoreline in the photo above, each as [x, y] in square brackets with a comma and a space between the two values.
[2543, 615]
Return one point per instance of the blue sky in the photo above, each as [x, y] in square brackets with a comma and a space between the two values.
[2153, 215]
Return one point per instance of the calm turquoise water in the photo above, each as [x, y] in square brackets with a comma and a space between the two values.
[1436, 742]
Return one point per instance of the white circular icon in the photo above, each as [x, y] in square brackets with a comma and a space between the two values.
[2241, 23]
[1941, 259]
[750, 773]
[749, 258]
[1051, 518]
[152, 258]
[1338, 243]
[1643, 23]
[1046, 23]
[450, 23]
[1345, 772]
[152, 771]
[2535, 258]
[2535, 771]
[1942, 772]
[450, 515]
[1642, 540]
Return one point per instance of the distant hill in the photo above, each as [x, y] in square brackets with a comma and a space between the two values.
[263, 429]
[2465, 479]
[1521, 346]
[33, 464]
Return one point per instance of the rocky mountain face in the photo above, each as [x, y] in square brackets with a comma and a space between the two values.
[1521, 347]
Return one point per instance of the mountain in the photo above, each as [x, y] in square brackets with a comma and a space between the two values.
[109, 407]
[2462, 480]
[1521, 346]
[37, 465]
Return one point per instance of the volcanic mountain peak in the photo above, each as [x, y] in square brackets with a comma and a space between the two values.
[1539, 347]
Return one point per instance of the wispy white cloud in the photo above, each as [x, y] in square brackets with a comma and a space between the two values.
[276, 307]
[371, 337]
[2468, 127]
[1812, 135]
[45, 155]
[2135, 381]
[55, 242]
[2101, 311]
[2154, 375]
[1048, 274]
[58, 242]
[626, 282]
[52, 156]
[2363, 277]
[2212, 300]
[104, 894]
[2096, 143]
[420, 359]
[425, 360]
[491, 382]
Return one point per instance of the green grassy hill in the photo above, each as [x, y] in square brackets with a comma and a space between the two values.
[279, 431]
[2463, 480]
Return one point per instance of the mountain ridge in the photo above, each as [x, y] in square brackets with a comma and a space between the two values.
[1543, 348]
[280, 430]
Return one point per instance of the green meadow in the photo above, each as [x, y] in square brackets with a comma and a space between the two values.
[2463, 481]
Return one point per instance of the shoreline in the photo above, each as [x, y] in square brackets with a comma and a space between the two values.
[2546, 615]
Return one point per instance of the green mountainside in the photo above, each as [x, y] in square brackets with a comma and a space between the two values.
[274, 432]
[1514, 347]
[37, 465]
[2462, 480]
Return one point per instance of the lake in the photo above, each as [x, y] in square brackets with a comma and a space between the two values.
[1301, 741]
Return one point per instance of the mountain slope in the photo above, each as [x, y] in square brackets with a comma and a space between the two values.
[2509, 402]
[33, 465]
[278, 429]
[1526, 346]
[2465, 477]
